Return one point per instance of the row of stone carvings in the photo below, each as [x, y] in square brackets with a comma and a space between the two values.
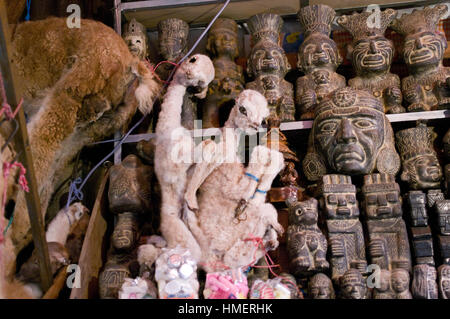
[318, 58]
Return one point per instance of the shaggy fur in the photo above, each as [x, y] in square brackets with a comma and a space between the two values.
[80, 86]
[65, 221]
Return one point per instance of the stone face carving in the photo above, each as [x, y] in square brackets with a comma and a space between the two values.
[306, 244]
[345, 234]
[228, 81]
[427, 87]
[384, 291]
[268, 65]
[420, 166]
[400, 283]
[424, 282]
[321, 287]
[417, 205]
[353, 285]
[173, 39]
[350, 135]
[318, 58]
[444, 281]
[135, 36]
[372, 57]
[388, 238]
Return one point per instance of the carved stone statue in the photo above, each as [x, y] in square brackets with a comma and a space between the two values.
[433, 196]
[228, 81]
[420, 166]
[318, 58]
[268, 65]
[350, 135]
[345, 233]
[306, 244]
[388, 238]
[424, 284]
[418, 211]
[427, 86]
[321, 287]
[443, 215]
[135, 36]
[444, 281]
[353, 285]
[111, 279]
[384, 291]
[400, 283]
[372, 57]
[173, 40]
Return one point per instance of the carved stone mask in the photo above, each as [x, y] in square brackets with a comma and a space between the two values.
[381, 197]
[318, 50]
[372, 54]
[321, 287]
[444, 281]
[267, 57]
[424, 49]
[421, 168]
[339, 197]
[351, 135]
[400, 280]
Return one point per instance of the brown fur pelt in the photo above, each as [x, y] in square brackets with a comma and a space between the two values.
[80, 85]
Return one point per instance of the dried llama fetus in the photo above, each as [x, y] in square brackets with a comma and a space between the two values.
[427, 86]
[351, 135]
[318, 58]
[229, 80]
[420, 165]
[306, 244]
[268, 65]
[372, 57]
[388, 238]
[135, 36]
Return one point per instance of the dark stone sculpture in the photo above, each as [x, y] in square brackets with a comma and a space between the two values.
[135, 36]
[306, 244]
[321, 287]
[353, 285]
[112, 277]
[268, 65]
[424, 284]
[400, 283]
[420, 166]
[372, 57]
[318, 59]
[433, 196]
[350, 135]
[444, 281]
[173, 40]
[417, 205]
[443, 216]
[228, 81]
[388, 238]
[427, 87]
[345, 234]
[384, 291]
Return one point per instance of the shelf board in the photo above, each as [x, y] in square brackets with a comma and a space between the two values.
[304, 125]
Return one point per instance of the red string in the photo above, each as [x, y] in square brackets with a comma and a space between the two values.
[149, 65]
[6, 108]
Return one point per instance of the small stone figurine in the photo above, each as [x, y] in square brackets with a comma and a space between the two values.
[372, 57]
[321, 287]
[384, 290]
[306, 244]
[229, 80]
[388, 238]
[427, 87]
[424, 284]
[351, 135]
[135, 36]
[353, 285]
[420, 166]
[345, 233]
[444, 281]
[268, 65]
[318, 58]
[443, 215]
[400, 283]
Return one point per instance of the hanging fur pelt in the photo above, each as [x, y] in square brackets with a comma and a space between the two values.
[80, 85]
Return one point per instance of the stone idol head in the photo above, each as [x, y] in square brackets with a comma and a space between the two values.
[173, 37]
[370, 50]
[317, 50]
[353, 285]
[321, 287]
[350, 135]
[267, 56]
[135, 36]
[423, 47]
[339, 197]
[421, 168]
[381, 196]
[223, 38]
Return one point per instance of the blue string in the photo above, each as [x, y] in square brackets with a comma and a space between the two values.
[9, 224]
[256, 179]
[27, 17]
